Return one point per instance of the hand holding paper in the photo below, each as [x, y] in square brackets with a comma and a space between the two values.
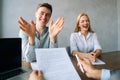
[56, 64]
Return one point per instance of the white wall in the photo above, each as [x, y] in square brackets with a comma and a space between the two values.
[102, 13]
[118, 7]
[0, 18]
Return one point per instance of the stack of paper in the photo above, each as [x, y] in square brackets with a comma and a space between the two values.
[56, 64]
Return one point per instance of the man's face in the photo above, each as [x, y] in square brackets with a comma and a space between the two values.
[42, 15]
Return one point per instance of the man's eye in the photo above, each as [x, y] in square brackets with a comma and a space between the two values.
[48, 14]
[41, 13]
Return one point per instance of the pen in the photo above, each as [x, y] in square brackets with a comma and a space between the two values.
[81, 67]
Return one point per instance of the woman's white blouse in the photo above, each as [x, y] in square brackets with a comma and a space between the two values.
[80, 43]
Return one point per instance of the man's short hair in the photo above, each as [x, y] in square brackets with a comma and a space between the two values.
[49, 6]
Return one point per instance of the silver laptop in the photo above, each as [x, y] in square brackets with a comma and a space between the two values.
[10, 57]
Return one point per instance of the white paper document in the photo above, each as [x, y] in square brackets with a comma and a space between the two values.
[98, 62]
[56, 64]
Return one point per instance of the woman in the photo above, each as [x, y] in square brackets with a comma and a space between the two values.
[83, 41]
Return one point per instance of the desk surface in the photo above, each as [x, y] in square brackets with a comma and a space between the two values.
[112, 60]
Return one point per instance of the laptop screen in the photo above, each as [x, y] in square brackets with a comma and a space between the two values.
[10, 54]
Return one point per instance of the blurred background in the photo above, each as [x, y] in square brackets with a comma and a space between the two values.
[104, 16]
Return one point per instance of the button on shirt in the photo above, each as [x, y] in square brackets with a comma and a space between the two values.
[28, 51]
[80, 43]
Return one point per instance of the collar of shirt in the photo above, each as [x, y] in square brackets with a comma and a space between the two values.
[88, 35]
[44, 31]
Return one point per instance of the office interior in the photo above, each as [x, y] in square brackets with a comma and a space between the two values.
[104, 16]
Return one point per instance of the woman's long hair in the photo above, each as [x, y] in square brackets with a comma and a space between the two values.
[77, 28]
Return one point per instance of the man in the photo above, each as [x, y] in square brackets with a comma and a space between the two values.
[38, 35]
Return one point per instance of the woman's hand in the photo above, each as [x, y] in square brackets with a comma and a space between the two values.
[92, 56]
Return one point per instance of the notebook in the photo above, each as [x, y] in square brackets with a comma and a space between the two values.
[10, 57]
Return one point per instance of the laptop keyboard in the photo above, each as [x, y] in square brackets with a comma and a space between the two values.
[11, 74]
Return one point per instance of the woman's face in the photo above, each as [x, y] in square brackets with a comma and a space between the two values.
[43, 15]
[84, 23]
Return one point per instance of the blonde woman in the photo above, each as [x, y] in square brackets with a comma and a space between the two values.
[83, 41]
